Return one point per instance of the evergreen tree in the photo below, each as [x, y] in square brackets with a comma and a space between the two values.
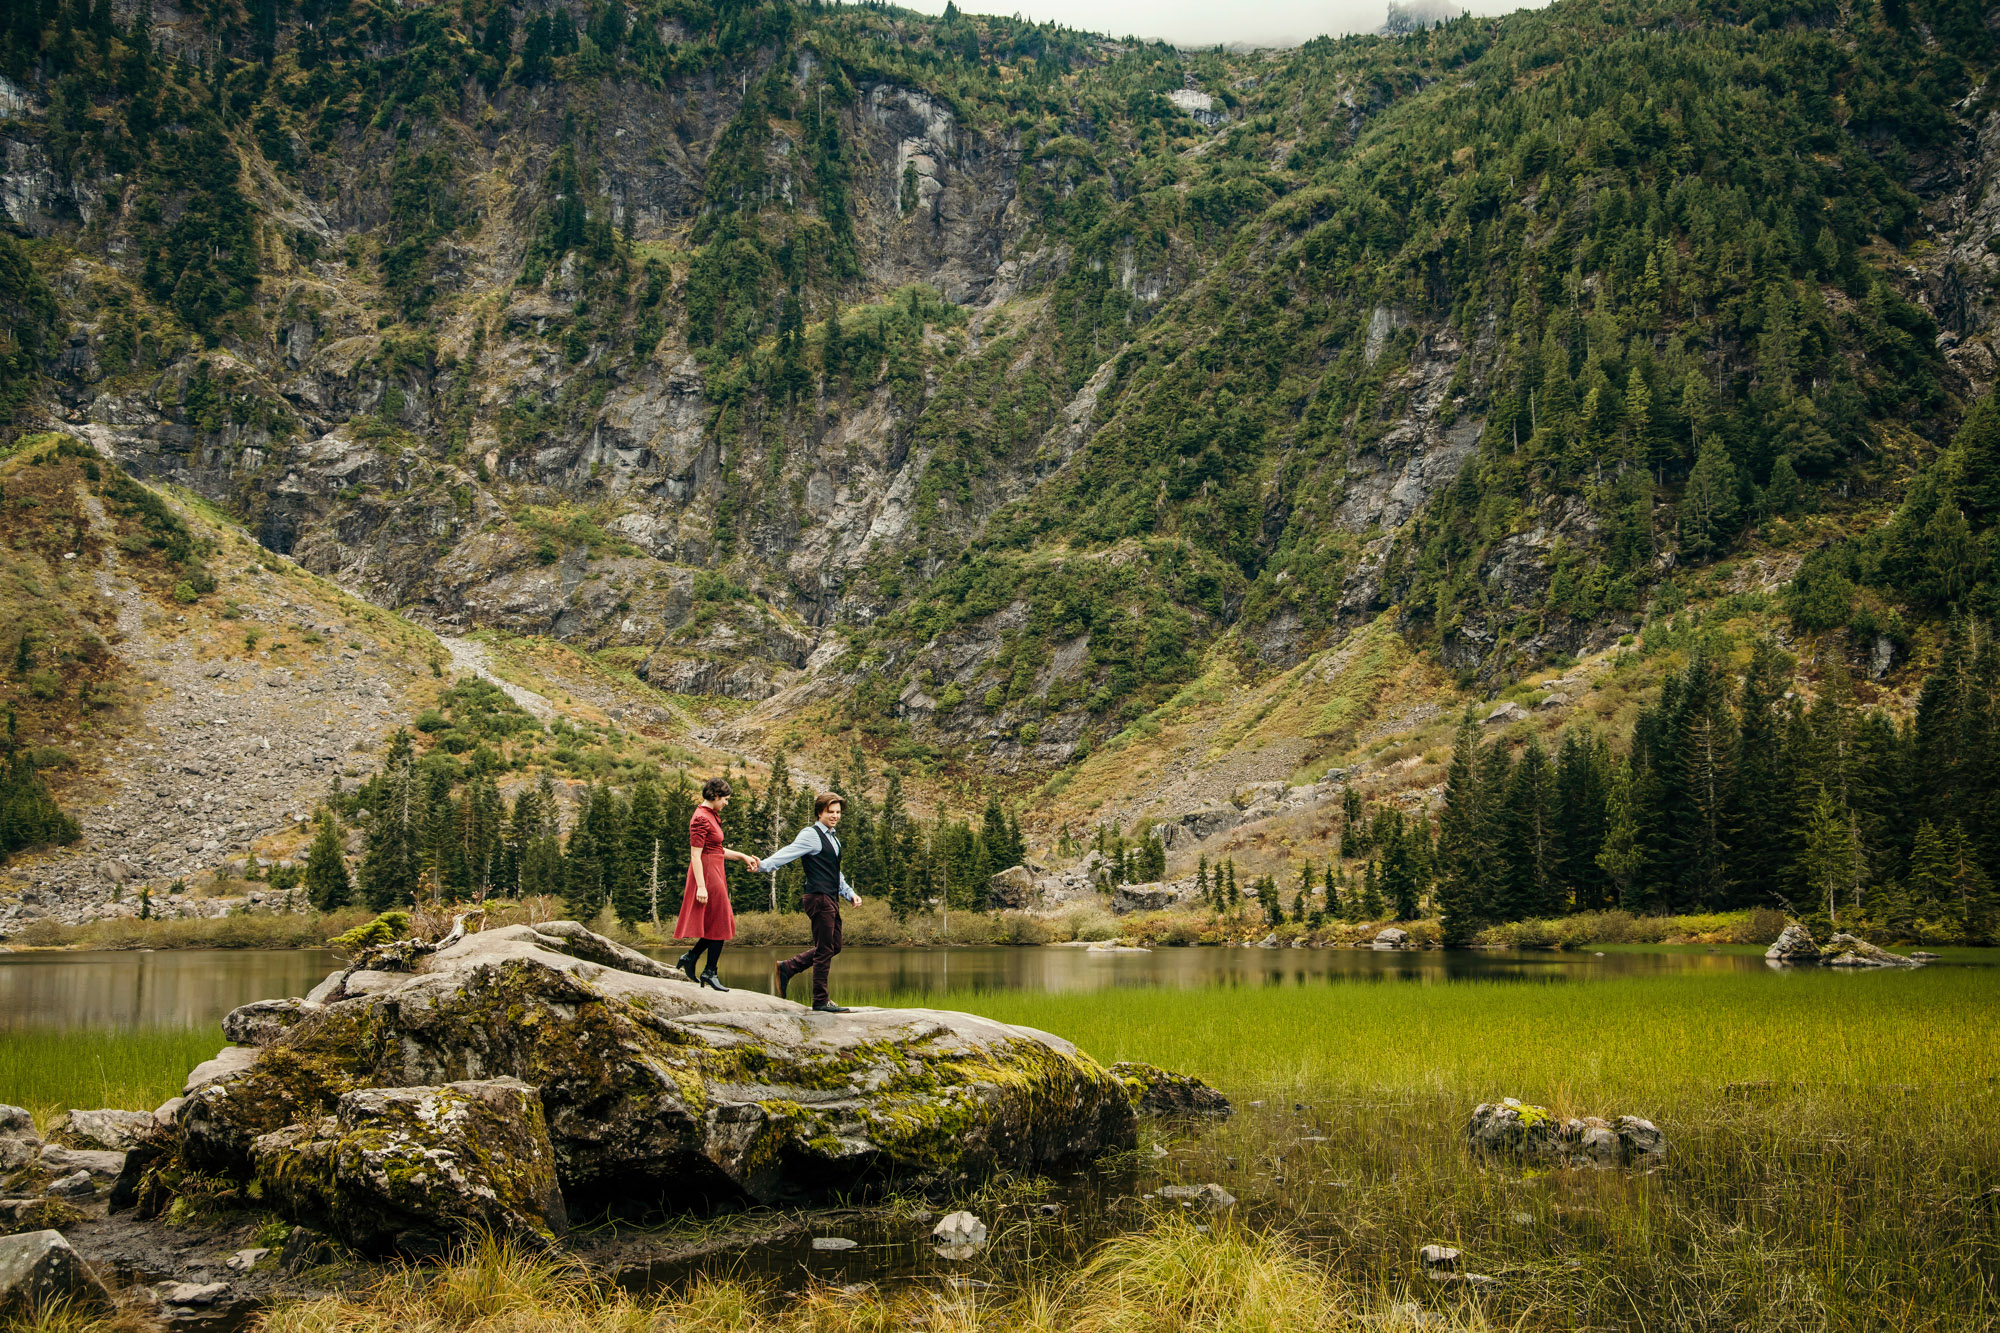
[636, 888]
[326, 881]
[1708, 505]
[1583, 779]
[392, 865]
[1461, 846]
[1528, 884]
[1334, 907]
[1371, 893]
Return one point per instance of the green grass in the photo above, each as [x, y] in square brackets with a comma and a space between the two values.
[1834, 1138]
[49, 1070]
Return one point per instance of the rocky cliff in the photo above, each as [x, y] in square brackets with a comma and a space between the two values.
[954, 378]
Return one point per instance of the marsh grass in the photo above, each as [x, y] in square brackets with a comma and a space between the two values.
[1834, 1138]
[1167, 1279]
[48, 1070]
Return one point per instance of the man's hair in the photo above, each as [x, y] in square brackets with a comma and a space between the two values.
[825, 799]
[713, 788]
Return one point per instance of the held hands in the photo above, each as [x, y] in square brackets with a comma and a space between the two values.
[756, 865]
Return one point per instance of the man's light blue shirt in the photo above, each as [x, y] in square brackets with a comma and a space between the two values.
[807, 844]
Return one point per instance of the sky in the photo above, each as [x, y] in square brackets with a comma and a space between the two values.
[1207, 22]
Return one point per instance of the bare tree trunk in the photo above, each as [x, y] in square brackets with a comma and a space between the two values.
[655, 886]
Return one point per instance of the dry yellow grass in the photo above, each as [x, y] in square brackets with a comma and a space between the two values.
[1172, 1278]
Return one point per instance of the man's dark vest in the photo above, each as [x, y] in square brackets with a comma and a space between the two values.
[822, 866]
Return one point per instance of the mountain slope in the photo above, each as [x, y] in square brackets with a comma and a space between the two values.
[979, 383]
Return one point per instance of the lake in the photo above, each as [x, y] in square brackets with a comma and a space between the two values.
[116, 989]
[1834, 1135]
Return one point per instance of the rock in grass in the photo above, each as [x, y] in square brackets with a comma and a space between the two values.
[1157, 1091]
[1534, 1135]
[833, 1244]
[417, 1169]
[39, 1268]
[16, 1123]
[652, 1089]
[1217, 1198]
[1439, 1258]
[1793, 946]
[959, 1228]
[106, 1130]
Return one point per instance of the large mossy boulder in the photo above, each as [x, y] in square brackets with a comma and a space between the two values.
[410, 1169]
[654, 1093]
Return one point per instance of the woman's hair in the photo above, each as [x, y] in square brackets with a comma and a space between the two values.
[713, 788]
[825, 799]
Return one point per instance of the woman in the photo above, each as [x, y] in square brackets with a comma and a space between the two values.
[705, 916]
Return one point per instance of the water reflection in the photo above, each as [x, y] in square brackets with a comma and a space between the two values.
[132, 989]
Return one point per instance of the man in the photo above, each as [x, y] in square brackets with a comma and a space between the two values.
[819, 851]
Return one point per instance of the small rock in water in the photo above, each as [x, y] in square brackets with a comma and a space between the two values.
[1439, 1258]
[193, 1293]
[833, 1243]
[960, 1228]
[1048, 1210]
[244, 1260]
[1212, 1194]
[1159, 1150]
[1533, 1133]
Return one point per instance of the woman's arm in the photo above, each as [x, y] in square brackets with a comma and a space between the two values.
[695, 849]
[731, 854]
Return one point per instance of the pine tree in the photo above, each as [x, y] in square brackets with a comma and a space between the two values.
[1334, 907]
[327, 883]
[1582, 785]
[1229, 874]
[1460, 841]
[1527, 882]
[633, 894]
[1201, 880]
[1371, 893]
[1829, 861]
[393, 861]
[1708, 505]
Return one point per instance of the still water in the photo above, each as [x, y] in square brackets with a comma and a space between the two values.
[124, 989]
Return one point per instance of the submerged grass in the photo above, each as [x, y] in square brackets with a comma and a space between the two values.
[1170, 1278]
[48, 1070]
[1835, 1138]
[1835, 1156]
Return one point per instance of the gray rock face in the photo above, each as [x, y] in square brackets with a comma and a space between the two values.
[1853, 951]
[1533, 1134]
[106, 1130]
[39, 1268]
[1013, 888]
[1143, 898]
[16, 1123]
[1793, 945]
[652, 1090]
[1391, 937]
[261, 1022]
[417, 1169]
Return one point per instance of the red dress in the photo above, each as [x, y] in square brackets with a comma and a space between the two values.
[712, 920]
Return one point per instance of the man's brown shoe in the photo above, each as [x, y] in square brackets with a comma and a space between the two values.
[785, 975]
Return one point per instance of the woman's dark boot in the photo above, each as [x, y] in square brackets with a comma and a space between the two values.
[686, 964]
[713, 982]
